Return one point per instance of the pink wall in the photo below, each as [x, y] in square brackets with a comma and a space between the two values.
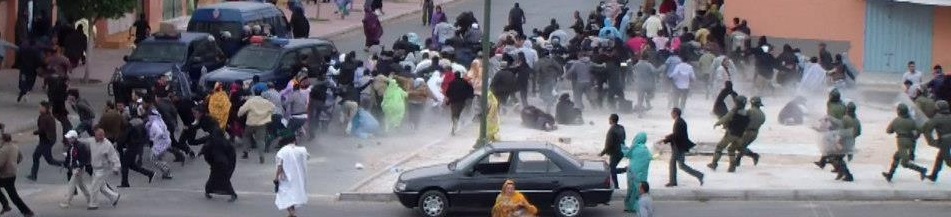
[942, 37]
[805, 19]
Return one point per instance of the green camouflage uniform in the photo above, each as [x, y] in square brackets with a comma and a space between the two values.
[941, 123]
[757, 118]
[731, 138]
[906, 133]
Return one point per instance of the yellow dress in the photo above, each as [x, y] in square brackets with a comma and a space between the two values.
[492, 127]
[219, 106]
[509, 206]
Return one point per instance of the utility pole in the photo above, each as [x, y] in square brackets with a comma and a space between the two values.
[486, 53]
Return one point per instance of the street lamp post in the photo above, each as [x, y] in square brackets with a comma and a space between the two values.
[486, 53]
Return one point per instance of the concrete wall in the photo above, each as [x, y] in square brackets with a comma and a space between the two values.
[838, 20]
[941, 52]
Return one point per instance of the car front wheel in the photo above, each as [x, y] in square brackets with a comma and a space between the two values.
[568, 204]
[433, 203]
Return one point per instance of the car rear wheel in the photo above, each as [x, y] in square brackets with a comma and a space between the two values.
[433, 203]
[568, 204]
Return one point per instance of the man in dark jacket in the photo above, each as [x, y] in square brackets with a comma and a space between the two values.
[535, 118]
[82, 107]
[46, 131]
[680, 144]
[612, 146]
[28, 59]
[130, 149]
[566, 112]
[516, 19]
[56, 91]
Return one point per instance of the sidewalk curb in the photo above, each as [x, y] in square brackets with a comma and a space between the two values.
[737, 195]
[399, 15]
[390, 167]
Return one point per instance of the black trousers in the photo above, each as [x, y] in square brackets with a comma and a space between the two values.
[130, 161]
[9, 185]
[45, 150]
[678, 158]
[27, 80]
[615, 160]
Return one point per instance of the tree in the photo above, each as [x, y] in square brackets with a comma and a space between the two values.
[95, 10]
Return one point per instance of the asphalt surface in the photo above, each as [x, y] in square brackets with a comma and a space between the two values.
[333, 159]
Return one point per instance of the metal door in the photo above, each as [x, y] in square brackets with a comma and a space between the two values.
[895, 33]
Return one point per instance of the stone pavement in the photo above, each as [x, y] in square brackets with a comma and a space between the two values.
[785, 172]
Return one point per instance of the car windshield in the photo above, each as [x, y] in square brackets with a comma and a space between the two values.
[468, 159]
[216, 28]
[254, 57]
[159, 52]
[568, 156]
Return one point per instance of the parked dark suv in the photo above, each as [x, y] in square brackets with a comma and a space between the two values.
[183, 57]
[272, 61]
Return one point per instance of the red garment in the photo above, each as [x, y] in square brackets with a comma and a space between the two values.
[667, 6]
[447, 77]
[636, 43]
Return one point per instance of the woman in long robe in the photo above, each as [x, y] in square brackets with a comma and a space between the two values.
[372, 29]
[394, 105]
[637, 172]
[512, 203]
[219, 106]
[220, 156]
[492, 128]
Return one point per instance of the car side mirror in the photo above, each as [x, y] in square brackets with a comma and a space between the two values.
[125, 58]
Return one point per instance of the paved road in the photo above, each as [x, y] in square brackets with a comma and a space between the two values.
[333, 156]
[166, 203]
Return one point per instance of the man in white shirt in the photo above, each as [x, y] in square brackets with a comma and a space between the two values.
[653, 24]
[682, 76]
[912, 75]
[104, 159]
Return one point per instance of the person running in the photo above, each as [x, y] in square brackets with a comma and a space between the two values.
[679, 143]
[291, 177]
[906, 134]
[9, 155]
[134, 140]
[161, 140]
[77, 161]
[612, 146]
[46, 131]
[104, 160]
[220, 156]
[257, 112]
